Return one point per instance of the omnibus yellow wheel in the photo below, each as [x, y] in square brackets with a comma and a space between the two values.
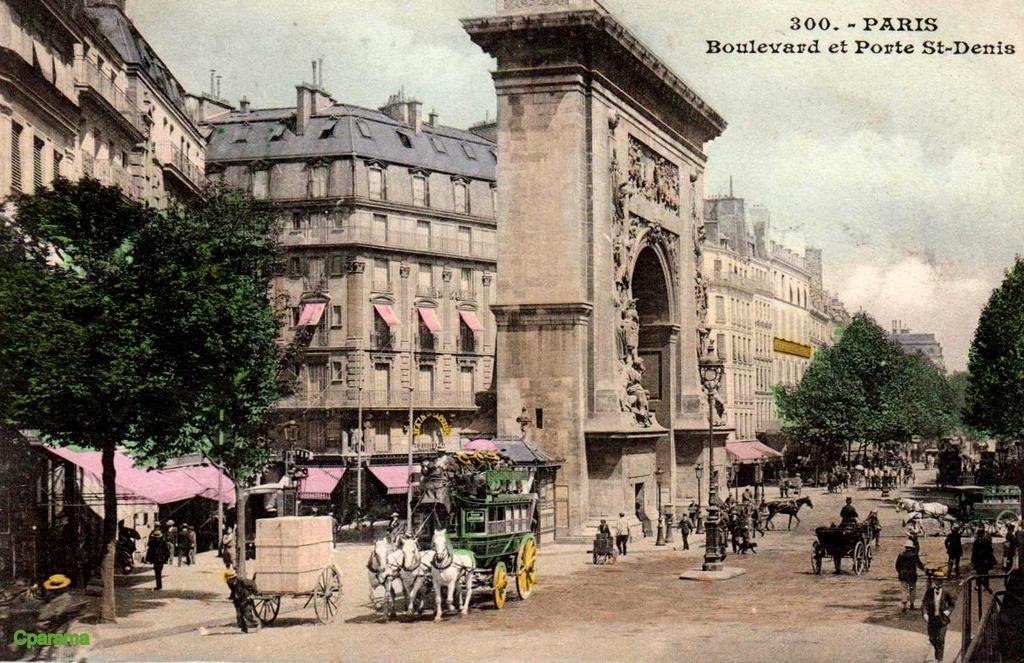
[526, 566]
[500, 585]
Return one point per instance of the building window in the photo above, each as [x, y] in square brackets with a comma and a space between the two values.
[382, 436]
[404, 140]
[37, 163]
[438, 144]
[337, 265]
[425, 384]
[466, 386]
[468, 150]
[720, 309]
[55, 170]
[378, 183]
[494, 199]
[467, 338]
[336, 317]
[465, 236]
[364, 129]
[260, 183]
[721, 346]
[380, 228]
[16, 156]
[381, 275]
[316, 185]
[461, 197]
[295, 312]
[423, 234]
[337, 371]
[466, 282]
[294, 266]
[420, 190]
[425, 280]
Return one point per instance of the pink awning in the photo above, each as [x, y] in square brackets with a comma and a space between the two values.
[394, 477]
[155, 486]
[386, 314]
[469, 317]
[310, 314]
[480, 444]
[749, 451]
[429, 318]
[320, 482]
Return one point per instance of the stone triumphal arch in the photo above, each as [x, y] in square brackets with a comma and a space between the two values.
[600, 303]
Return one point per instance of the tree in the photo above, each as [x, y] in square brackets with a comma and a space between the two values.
[995, 393]
[217, 256]
[85, 358]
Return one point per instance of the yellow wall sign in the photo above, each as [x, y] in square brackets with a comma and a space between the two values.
[791, 348]
[417, 425]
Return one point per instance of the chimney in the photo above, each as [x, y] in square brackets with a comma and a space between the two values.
[320, 83]
[303, 107]
[213, 73]
[432, 120]
[415, 116]
[243, 105]
[315, 80]
[218, 86]
[396, 108]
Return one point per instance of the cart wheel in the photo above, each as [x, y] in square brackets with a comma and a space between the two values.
[1006, 517]
[816, 558]
[500, 585]
[870, 555]
[526, 566]
[858, 558]
[266, 608]
[326, 594]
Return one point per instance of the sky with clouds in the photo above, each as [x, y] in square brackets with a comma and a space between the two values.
[905, 169]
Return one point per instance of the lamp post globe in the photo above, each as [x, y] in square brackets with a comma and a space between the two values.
[712, 367]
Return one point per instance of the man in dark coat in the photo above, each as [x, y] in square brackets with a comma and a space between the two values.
[242, 590]
[157, 554]
[685, 527]
[983, 558]
[171, 537]
[848, 514]
[1009, 548]
[954, 550]
[937, 606]
[907, 564]
[1010, 629]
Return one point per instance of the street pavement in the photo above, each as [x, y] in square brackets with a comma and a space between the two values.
[635, 610]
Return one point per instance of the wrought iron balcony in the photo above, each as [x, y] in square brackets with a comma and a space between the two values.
[384, 340]
[90, 79]
[174, 161]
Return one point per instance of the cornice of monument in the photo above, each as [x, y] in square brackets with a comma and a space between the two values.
[492, 30]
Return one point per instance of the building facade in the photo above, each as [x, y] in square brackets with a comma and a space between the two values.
[83, 94]
[923, 344]
[769, 311]
[387, 225]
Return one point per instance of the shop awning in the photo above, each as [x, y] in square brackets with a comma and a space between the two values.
[154, 486]
[320, 482]
[309, 315]
[469, 317]
[429, 318]
[750, 451]
[386, 314]
[394, 477]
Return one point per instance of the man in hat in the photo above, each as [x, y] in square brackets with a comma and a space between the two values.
[907, 564]
[242, 590]
[685, 527]
[158, 553]
[983, 558]
[954, 550]
[171, 537]
[848, 514]
[187, 539]
[937, 606]
[621, 533]
[396, 527]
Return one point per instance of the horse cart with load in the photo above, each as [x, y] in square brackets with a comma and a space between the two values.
[990, 507]
[295, 559]
[853, 541]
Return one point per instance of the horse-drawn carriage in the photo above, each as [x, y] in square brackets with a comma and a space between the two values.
[991, 507]
[853, 541]
[472, 532]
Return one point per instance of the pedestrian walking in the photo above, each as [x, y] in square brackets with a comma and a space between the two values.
[983, 558]
[1009, 548]
[187, 538]
[242, 590]
[227, 547]
[158, 553]
[937, 606]
[685, 527]
[621, 533]
[171, 536]
[907, 564]
[695, 517]
[954, 550]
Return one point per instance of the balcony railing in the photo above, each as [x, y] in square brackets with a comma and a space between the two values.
[384, 340]
[427, 342]
[468, 343]
[172, 158]
[391, 239]
[89, 76]
[111, 174]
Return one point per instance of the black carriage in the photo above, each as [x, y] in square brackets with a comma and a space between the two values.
[838, 542]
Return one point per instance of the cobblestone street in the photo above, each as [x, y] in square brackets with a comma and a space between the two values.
[637, 609]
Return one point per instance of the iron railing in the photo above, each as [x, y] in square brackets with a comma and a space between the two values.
[90, 76]
[392, 238]
[169, 155]
[979, 631]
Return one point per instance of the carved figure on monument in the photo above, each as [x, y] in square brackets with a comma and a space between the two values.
[631, 325]
[653, 176]
[636, 398]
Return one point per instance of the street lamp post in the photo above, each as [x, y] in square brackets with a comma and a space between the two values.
[661, 514]
[698, 469]
[711, 370]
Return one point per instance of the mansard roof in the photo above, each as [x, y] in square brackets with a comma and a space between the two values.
[344, 129]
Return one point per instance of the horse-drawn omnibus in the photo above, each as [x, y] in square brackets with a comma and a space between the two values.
[986, 506]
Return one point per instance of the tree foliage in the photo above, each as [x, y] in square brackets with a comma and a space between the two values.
[995, 394]
[864, 389]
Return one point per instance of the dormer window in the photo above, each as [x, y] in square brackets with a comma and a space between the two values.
[404, 139]
[469, 151]
[438, 144]
[328, 131]
[276, 133]
[364, 129]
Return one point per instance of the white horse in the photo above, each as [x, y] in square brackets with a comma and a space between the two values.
[385, 570]
[447, 567]
[907, 504]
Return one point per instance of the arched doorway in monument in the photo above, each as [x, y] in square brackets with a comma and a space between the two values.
[658, 330]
